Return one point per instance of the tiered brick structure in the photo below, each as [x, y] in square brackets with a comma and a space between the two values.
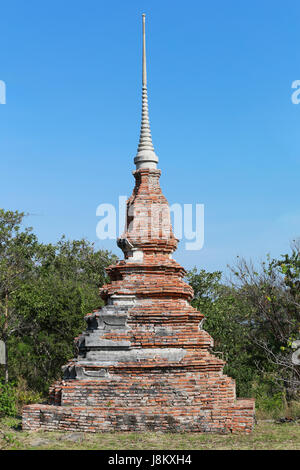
[144, 362]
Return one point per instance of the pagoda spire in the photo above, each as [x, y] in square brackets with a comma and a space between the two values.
[145, 157]
[144, 362]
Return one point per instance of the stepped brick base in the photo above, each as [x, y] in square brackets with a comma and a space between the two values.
[169, 401]
[236, 418]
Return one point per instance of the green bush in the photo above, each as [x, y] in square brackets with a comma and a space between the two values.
[25, 396]
[8, 400]
[270, 399]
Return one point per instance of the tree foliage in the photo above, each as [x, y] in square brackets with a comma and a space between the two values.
[45, 291]
[273, 298]
[17, 258]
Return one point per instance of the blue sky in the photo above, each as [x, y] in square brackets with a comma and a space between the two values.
[223, 124]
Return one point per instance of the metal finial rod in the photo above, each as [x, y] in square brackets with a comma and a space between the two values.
[144, 51]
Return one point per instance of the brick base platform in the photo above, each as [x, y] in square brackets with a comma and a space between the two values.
[236, 418]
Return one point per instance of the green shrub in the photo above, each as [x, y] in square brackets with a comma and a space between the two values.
[293, 409]
[25, 396]
[8, 400]
[270, 399]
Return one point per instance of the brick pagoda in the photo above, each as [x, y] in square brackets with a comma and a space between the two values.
[144, 361]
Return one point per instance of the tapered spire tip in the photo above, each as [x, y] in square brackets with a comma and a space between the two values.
[146, 157]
